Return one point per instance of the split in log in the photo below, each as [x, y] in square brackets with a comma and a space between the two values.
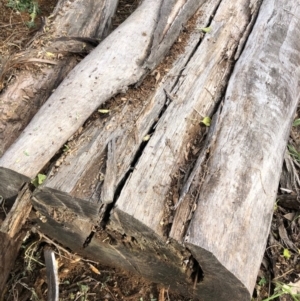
[113, 66]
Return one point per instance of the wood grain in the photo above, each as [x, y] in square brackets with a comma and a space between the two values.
[139, 220]
[236, 201]
[109, 69]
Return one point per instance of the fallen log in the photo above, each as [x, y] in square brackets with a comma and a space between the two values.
[232, 199]
[223, 189]
[50, 52]
[217, 187]
[115, 64]
[246, 158]
[84, 181]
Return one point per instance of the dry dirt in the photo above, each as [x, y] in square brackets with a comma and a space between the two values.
[84, 280]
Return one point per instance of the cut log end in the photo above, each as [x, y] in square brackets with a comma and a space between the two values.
[10, 183]
[217, 282]
[189, 269]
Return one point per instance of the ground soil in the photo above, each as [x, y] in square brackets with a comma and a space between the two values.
[84, 280]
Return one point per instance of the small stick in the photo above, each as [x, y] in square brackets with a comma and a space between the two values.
[52, 275]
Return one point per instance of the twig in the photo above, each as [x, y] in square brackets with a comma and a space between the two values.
[7, 25]
[52, 274]
[48, 240]
[289, 271]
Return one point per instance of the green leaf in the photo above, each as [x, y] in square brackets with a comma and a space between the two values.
[206, 121]
[41, 178]
[84, 288]
[205, 29]
[262, 281]
[38, 180]
[293, 152]
[286, 254]
[66, 148]
[296, 122]
[26, 153]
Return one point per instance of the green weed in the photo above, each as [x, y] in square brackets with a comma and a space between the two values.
[29, 6]
[294, 153]
[283, 289]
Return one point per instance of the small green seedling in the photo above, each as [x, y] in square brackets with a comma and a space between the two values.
[262, 281]
[33, 15]
[283, 289]
[296, 122]
[38, 180]
[29, 6]
[294, 153]
[66, 148]
[286, 254]
[206, 121]
[205, 29]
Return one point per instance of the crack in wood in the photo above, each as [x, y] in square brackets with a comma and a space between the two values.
[105, 209]
[172, 16]
[254, 9]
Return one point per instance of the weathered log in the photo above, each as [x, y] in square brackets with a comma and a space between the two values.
[142, 216]
[31, 88]
[82, 182]
[232, 199]
[246, 159]
[145, 200]
[109, 69]
[12, 234]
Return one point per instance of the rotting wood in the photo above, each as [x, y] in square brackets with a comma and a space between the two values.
[109, 69]
[22, 98]
[12, 234]
[141, 218]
